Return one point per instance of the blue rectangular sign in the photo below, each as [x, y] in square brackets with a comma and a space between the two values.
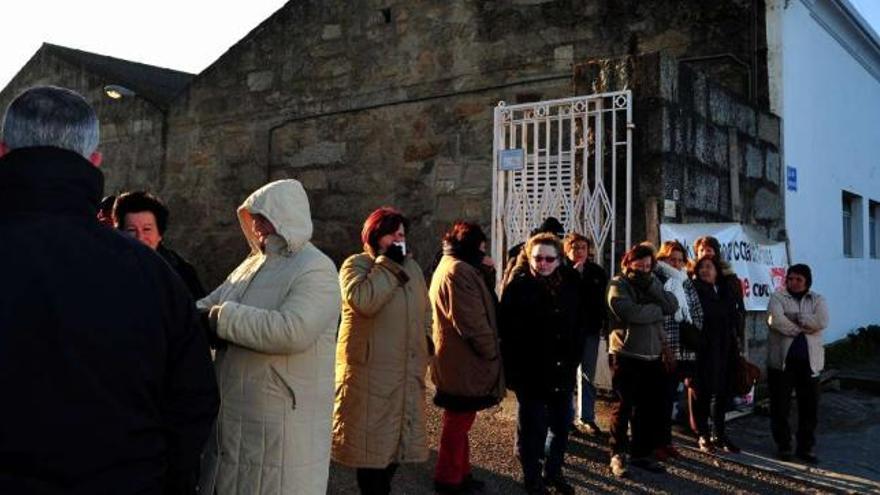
[791, 178]
[510, 160]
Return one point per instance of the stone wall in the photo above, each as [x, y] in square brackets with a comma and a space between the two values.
[132, 131]
[390, 103]
[710, 152]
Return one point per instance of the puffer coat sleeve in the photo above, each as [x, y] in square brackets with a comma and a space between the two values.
[367, 291]
[292, 327]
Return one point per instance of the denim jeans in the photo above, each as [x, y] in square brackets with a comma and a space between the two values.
[586, 392]
[543, 422]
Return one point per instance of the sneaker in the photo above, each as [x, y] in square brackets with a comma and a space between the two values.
[705, 445]
[807, 456]
[728, 446]
[648, 464]
[588, 427]
[618, 465]
[559, 485]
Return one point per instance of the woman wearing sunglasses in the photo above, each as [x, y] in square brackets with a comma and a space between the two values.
[542, 339]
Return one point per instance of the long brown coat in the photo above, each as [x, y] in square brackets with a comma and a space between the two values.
[467, 364]
[381, 362]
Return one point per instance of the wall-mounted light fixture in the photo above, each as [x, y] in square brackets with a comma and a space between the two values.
[116, 91]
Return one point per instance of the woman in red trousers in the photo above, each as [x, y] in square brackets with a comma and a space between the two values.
[467, 365]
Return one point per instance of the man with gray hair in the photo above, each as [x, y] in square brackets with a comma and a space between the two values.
[107, 381]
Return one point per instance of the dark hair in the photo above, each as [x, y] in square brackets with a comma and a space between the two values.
[383, 221]
[716, 262]
[638, 252]
[465, 237]
[669, 247]
[139, 201]
[573, 237]
[550, 225]
[710, 241]
[802, 270]
[106, 205]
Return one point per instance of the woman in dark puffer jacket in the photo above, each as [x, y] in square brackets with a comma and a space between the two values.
[542, 337]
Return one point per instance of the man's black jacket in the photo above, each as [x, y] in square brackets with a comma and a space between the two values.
[106, 381]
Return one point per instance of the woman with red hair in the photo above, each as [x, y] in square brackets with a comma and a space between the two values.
[381, 356]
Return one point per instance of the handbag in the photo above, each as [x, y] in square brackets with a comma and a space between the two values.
[746, 376]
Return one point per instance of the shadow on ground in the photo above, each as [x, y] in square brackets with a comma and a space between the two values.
[586, 464]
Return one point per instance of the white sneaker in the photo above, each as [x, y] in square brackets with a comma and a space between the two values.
[706, 445]
[618, 465]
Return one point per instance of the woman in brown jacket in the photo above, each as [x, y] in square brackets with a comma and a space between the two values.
[467, 365]
[381, 356]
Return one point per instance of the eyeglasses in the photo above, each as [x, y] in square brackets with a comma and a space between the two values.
[548, 259]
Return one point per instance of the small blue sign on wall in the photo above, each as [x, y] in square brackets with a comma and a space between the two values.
[791, 178]
[510, 160]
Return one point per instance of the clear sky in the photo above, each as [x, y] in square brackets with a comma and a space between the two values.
[186, 35]
[870, 10]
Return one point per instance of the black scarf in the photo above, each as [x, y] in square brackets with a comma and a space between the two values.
[640, 280]
[798, 295]
[475, 259]
[550, 282]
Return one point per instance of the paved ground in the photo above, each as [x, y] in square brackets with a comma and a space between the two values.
[848, 444]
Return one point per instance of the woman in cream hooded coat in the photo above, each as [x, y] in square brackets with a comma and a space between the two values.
[277, 312]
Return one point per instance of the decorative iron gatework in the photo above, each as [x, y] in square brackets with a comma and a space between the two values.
[560, 158]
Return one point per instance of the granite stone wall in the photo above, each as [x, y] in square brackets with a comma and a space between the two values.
[390, 103]
[379, 103]
[706, 151]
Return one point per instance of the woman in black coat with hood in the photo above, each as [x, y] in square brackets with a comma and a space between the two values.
[717, 353]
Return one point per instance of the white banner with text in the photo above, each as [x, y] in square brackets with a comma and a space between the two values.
[759, 264]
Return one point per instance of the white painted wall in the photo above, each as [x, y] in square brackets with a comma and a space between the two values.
[825, 86]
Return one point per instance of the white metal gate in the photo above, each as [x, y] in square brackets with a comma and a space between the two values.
[560, 158]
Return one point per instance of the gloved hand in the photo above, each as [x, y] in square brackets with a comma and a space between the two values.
[395, 254]
[210, 321]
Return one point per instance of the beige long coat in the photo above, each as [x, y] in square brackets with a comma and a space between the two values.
[381, 361]
[278, 310]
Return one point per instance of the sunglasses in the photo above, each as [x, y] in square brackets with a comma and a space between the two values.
[548, 259]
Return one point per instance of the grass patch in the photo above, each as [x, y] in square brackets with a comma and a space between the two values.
[859, 346]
